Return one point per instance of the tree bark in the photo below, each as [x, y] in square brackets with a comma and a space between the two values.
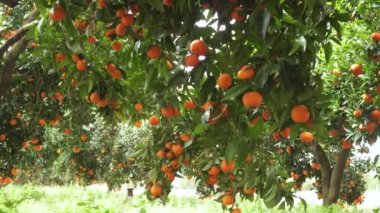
[336, 177]
[325, 170]
[18, 44]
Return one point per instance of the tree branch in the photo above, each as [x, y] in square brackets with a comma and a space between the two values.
[337, 175]
[9, 64]
[19, 45]
[10, 3]
[325, 170]
[19, 35]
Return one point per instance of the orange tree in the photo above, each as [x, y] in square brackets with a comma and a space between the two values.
[229, 88]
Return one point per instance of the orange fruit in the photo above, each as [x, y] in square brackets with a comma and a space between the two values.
[154, 120]
[14, 172]
[168, 3]
[91, 39]
[177, 149]
[168, 145]
[306, 137]
[174, 164]
[95, 97]
[305, 172]
[285, 133]
[7, 181]
[300, 114]
[161, 153]
[228, 200]
[83, 137]
[227, 166]
[34, 140]
[76, 149]
[127, 20]
[367, 98]
[170, 155]
[198, 47]
[356, 69]
[170, 176]
[346, 144]
[276, 136]
[117, 46]
[117, 74]
[154, 52]
[37, 147]
[189, 104]
[75, 57]
[191, 60]
[266, 114]
[370, 127]
[236, 14]
[67, 131]
[212, 180]
[57, 13]
[358, 113]
[120, 13]
[236, 210]
[60, 57]
[121, 30]
[225, 81]
[333, 133]
[246, 73]
[102, 4]
[110, 32]
[214, 171]
[13, 122]
[375, 36]
[42, 122]
[249, 191]
[138, 107]
[156, 189]
[111, 68]
[252, 99]
[138, 124]
[185, 137]
[81, 65]
[375, 114]
[169, 111]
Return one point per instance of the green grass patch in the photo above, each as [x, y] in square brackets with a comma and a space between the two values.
[70, 199]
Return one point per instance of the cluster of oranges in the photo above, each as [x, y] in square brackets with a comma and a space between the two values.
[8, 180]
[171, 157]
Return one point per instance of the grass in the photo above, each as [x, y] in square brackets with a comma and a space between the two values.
[72, 199]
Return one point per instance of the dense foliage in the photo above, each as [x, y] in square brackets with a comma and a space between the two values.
[249, 97]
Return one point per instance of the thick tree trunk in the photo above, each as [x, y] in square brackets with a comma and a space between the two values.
[336, 177]
[130, 192]
[325, 170]
[331, 177]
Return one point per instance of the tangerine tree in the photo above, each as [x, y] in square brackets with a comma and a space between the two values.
[237, 94]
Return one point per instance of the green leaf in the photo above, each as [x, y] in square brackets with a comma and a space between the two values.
[207, 88]
[304, 204]
[157, 4]
[235, 91]
[153, 175]
[232, 149]
[265, 22]
[177, 78]
[328, 51]
[256, 129]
